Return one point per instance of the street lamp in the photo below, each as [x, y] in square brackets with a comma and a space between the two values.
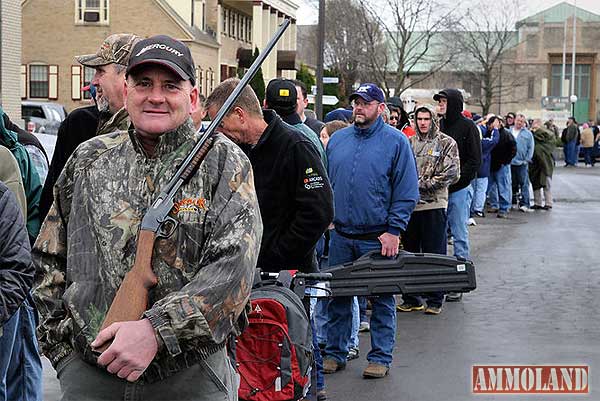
[573, 100]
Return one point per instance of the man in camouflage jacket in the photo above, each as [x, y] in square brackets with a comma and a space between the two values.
[439, 167]
[205, 269]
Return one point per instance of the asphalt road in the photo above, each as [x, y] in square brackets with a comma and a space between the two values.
[538, 289]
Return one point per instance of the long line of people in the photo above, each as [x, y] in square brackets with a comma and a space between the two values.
[396, 181]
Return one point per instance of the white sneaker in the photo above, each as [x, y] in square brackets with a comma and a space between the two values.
[364, 327]
[471, 222]
[525, 209]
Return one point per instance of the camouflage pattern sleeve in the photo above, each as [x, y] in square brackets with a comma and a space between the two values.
[50, 259]
[205, 310]
[447, 171]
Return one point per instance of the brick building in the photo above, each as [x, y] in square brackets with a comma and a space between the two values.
[219, 33]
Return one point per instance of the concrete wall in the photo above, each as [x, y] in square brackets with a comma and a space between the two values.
[10, 58]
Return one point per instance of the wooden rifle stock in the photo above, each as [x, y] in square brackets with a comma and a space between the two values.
[131, 299]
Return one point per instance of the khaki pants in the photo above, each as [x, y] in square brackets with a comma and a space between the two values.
[211, 380]
[537, 194]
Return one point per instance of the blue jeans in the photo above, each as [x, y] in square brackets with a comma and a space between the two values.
[479, 186]
[354, 342]
[500, 189]
[458, 214]
[570, 150]
[20, 363]
[520, 181]
[383, 316]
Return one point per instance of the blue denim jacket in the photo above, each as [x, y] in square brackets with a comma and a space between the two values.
[524, 148]
[374, 179]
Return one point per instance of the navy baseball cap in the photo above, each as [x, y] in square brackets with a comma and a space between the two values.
[368, 92]
[166, 51]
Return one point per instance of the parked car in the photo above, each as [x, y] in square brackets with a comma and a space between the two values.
[43, 119]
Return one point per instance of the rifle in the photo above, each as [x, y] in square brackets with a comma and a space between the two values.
[131, 299]
[406, 273]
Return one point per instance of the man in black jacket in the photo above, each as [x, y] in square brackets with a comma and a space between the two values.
[79, 126]
[466, 135]
[294, 195]
[302, 104]
[499, 190]
[108, 115]
[20, 364]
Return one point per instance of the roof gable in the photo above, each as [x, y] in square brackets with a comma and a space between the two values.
[559, 13]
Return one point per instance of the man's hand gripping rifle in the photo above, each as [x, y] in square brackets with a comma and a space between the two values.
[131, 300]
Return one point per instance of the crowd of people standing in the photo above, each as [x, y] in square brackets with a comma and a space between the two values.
[278, 189]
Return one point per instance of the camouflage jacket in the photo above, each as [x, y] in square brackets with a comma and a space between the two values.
[87, 243]
[438, 165]
[117, 122]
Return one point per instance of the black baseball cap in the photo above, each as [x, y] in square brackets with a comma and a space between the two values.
[281, 96]
[165, 51]
[440, 95]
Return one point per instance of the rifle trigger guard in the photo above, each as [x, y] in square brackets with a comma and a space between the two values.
[167, 227]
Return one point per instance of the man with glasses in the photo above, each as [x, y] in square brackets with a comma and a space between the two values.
[374, 179]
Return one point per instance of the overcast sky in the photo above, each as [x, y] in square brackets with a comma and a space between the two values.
[307, 13]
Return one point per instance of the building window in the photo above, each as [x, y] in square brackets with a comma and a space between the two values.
[232, 24]
[582, 80]
[92, 11]
[210, 81]
[38, 81]
[530, 87]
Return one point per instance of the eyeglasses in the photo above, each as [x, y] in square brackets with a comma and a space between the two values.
[362, 103]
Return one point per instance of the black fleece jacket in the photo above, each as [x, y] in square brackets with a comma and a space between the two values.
[16, 267]
[466, 135]
[294, 195]
[79, 126]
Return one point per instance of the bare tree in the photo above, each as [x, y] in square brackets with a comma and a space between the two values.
[413, 44]
[349, 31]
[487, 39]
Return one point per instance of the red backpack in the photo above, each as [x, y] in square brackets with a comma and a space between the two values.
[274, 353]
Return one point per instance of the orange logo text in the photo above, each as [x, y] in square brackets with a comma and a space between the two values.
[189, 205]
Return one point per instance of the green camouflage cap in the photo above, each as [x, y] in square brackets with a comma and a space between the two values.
[115, 49]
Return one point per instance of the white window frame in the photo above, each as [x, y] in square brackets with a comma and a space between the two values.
[104, 11]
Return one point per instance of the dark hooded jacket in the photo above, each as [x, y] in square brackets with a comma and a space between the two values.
[16, 268]
[466, 135]
[504, 151]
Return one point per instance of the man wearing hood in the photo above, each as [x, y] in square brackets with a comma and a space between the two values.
[466, 135]
[375, 184]
[439, 167]
[542, 165]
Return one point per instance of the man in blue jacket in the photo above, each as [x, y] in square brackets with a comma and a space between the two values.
[375, 185]
[519, 165]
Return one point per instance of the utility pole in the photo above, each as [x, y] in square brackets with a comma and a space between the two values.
[574, 56]
[564, 61]
[321, 40]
